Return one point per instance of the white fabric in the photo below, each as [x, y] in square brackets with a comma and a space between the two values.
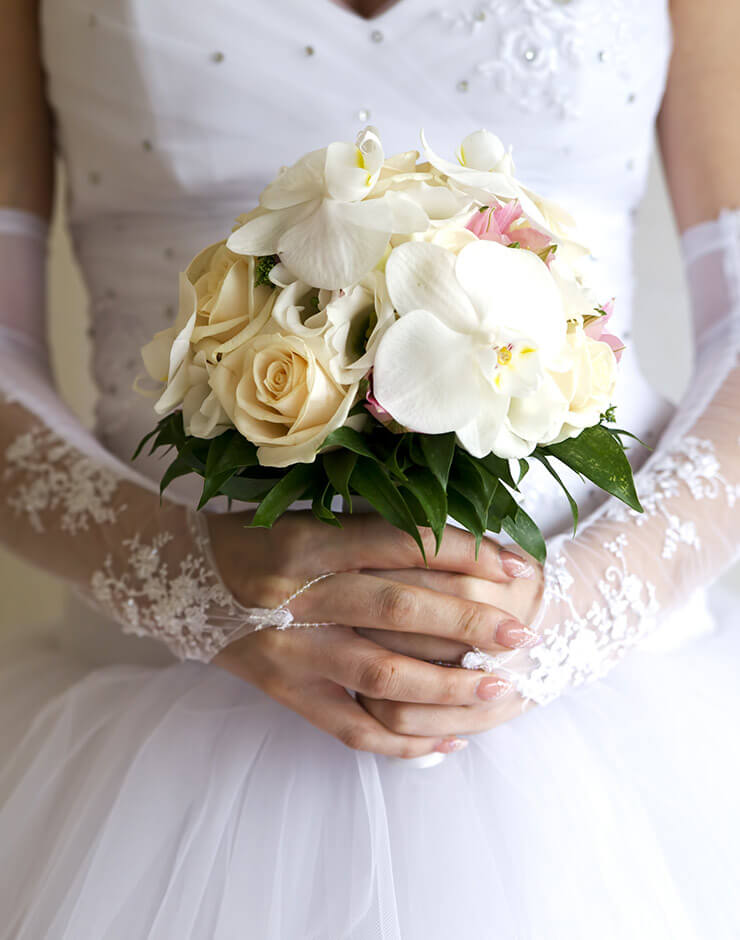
[177, 802]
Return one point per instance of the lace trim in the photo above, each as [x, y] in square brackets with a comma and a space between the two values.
[187, 607]
[584, 646]
[50, 476]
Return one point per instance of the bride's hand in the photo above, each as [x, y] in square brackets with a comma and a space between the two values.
[311, 669]
[520, 596]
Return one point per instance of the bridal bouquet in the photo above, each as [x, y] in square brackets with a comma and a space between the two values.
[410, 332]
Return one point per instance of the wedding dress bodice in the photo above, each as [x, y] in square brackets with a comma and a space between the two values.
[172, 115]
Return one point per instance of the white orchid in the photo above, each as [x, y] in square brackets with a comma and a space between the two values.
[483, 165]
[357, 322]
[319, 218]
[469, 353]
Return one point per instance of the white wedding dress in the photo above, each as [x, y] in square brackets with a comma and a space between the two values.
[145, 798]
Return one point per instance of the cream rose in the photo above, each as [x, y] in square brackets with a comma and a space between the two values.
[588, 384]
[220, 308]
[231, 307]
[280, 395]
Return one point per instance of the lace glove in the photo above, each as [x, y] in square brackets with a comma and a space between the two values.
[608, 588]
[69, 506]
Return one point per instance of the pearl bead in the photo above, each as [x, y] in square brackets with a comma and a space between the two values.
[363, 114]
[376, 35]
[531, 54]
[463, 85]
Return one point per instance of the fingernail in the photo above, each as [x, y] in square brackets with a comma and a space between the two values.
[492, 687]
[514, 634]
[515, 566]
[450, 745]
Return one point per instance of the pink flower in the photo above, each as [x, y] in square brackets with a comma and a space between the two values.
[496, 225]
[595, 330]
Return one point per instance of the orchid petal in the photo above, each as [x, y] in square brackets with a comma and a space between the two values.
[423, 375]
[479, 435]
[407, 216]
[299, 183]
[514, 290]
[347, 177]
[261, 235]
[482, 150]
[421, 276]
[331, 247]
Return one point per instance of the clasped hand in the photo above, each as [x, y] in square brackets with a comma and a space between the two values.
[390, 617]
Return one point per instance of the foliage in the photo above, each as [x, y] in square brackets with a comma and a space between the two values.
[412, 480]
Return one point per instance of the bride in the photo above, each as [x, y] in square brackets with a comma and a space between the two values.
[163, 780]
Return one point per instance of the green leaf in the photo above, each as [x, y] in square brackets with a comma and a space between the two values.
[371, 481]
[471, 479]
[601, 459]
[428, 492]
[461, 510]
[350, 440]
[571, 502]
[525, 532]
[321, 505]
[179, 467]
[523, 471]
[293, 486]
[499, 468]
[247, 489]
[230, 451]
[438, 451]
[144, 441]
[338, 465]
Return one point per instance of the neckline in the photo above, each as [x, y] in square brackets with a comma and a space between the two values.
[382, 16]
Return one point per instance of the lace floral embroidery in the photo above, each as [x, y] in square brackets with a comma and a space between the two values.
[50, 476]
[583, 645]
[696, 466]
[175, 606]
[538, 48]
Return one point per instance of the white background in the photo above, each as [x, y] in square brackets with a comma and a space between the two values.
[661, 337]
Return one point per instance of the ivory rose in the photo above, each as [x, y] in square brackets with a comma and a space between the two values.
[220, 307]
[279, 393]
[588, 383]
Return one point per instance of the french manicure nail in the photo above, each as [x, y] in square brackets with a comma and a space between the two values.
[515, 566]
[515, 635]
[492, 687]
[450, 745]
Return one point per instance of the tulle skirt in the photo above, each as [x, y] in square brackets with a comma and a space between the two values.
[169, 802]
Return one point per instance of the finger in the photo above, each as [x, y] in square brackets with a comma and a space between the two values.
[429, 648]
[363, 666]
[368, 541]
[360, 600]
[412, 719]
[332, 709]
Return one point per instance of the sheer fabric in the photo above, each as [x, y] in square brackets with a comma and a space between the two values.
[610, 587]
[76, 510]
